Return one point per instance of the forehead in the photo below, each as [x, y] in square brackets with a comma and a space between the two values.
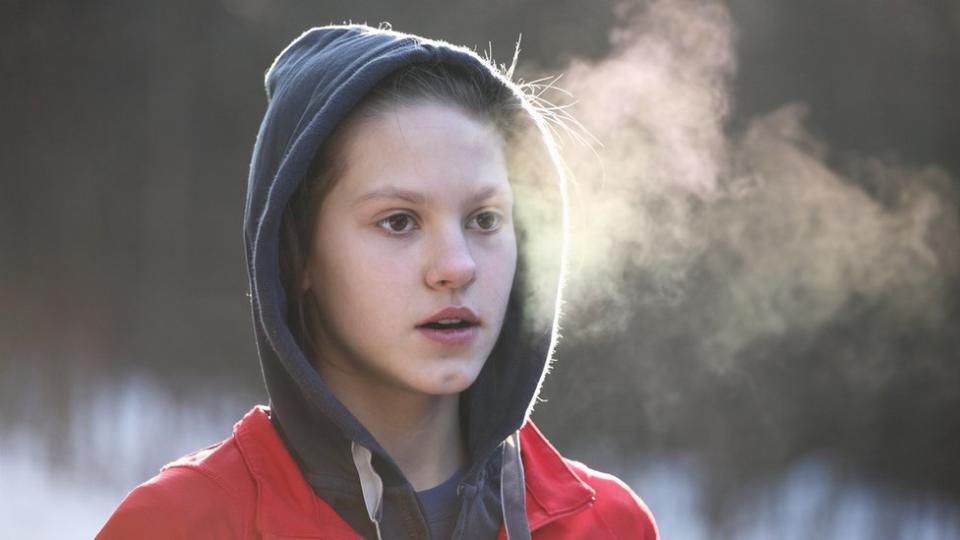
[427, 146]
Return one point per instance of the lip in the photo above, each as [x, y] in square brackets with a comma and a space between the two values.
[453, 337]
[453, 312]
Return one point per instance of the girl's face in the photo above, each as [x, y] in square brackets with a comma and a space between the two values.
[419, 221]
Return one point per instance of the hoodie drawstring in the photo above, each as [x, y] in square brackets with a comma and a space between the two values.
[512, 491]
[370, 484]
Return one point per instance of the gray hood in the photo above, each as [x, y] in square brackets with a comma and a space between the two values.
[311, 86]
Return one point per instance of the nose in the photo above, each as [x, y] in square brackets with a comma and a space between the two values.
[451, 264]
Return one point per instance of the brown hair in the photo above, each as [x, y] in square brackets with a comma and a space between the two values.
[473, 91]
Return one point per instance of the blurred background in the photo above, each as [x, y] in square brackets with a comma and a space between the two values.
[763, 318]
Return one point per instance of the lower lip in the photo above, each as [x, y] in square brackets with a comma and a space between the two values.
[455, 337]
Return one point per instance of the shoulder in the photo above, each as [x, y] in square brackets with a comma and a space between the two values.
[616, 504]
[206, 494]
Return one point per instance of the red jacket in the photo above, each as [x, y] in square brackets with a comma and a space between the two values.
[248, 486]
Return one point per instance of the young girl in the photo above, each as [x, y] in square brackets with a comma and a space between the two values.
[389, 235]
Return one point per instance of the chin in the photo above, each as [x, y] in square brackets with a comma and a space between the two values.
[450, 381]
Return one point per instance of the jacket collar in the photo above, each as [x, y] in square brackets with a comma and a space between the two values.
[286, 505]
[553, 489]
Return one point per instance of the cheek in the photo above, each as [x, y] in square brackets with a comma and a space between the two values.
[500, 265]
[369, 284]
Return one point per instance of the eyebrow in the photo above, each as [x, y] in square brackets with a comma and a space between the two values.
[416, 197]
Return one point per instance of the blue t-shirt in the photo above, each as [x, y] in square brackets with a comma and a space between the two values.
[441, 504]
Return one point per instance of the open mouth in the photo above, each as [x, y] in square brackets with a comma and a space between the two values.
[452, 326]
[451, 332]
[447, 325]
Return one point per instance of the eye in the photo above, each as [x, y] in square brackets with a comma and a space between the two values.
[486, 221]
[398, 223]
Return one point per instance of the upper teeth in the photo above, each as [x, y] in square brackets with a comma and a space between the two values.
[448, 321]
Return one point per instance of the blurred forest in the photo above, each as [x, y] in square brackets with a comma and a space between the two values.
[127, 133]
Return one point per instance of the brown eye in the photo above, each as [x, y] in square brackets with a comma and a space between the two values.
[397, 223]
[487, 221]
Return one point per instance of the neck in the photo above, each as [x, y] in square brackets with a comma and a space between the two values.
[420, 432]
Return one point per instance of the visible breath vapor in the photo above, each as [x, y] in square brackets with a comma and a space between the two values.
[787, 239]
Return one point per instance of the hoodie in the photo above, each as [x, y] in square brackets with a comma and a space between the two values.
[305, 467]
[311, 87]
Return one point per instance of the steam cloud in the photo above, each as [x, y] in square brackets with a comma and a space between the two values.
[785, 238]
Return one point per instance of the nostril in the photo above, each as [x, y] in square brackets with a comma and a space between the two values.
[452, 274]
[452, 264]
